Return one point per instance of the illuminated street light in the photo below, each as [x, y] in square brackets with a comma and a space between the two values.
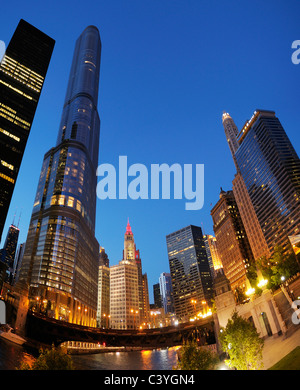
[250, 291]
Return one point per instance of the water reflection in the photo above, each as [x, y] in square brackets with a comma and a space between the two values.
[163, 359]
[13, 355]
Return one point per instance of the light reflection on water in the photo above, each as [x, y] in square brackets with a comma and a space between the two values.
[13, 355]
[163, 359]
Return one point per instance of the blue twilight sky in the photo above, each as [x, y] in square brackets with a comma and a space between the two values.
[168, 70]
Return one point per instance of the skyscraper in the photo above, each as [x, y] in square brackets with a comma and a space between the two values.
[103, 306]
[232, 242]
[8, 252]
[129, 298]
[61, 258]
[268, 168]
[212, 244]
[165, 285]
[157, 296]
[190, 272]
[22, 74]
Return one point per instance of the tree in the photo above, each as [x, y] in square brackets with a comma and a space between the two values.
[193, 357]
[239, 295]
[242, 343]
[279, 265]
[53, 359]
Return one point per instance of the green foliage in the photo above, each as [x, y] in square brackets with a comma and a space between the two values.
[242, 343]
[239, 295]
[193, 357]
[278, 265]
[51, 359]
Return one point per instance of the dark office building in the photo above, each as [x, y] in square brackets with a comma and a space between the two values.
[22, 73]
[61, 257]
[103, 257]
[157, 296]
[8, 252]
[190, 272]
[270, 168]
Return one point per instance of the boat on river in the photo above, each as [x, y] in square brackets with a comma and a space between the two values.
[8, 333]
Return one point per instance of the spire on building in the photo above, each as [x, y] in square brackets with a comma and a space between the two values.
[231, 132]
[128, 228]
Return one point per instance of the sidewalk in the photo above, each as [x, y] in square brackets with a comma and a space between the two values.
[276, 348]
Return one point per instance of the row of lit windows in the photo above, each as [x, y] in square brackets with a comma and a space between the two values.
[17, 90]
[5, 132]
[6, 177]
[22, 74]
[10, 115]
[7, 165]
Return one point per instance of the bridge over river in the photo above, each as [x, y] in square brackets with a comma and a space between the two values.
[50, 331]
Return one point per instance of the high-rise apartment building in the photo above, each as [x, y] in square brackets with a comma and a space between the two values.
[268, 181]
[190, 272]
[232, 242]
[61, 258]
[22, 74]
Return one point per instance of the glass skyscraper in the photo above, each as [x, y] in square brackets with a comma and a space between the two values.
[165, 285]
[270, 169]
[22, 74]
[61, 259]
[190, 272]
[8, 252]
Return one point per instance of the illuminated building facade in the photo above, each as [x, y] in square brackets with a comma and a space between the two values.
[22, 74]
[190, 272]
[232, 242]
[270, 168]
[267, 183]
[61, 259]
[212, 251]
[103, 309]
[253, 229]
[129, 297]
[103, 306]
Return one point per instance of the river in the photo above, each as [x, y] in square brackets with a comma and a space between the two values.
[12, 355]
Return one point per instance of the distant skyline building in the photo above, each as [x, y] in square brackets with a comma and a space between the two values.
[190, 272]
[209, 256]
[157, 296]
[232, 242]
[22, 74]
[103, 305]
[268, 178]
[8, 252]
[165, 285]
[126, 302]
[211, 241]
[61, 258]
[129, 295]
[103, 257]
[18, 262]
